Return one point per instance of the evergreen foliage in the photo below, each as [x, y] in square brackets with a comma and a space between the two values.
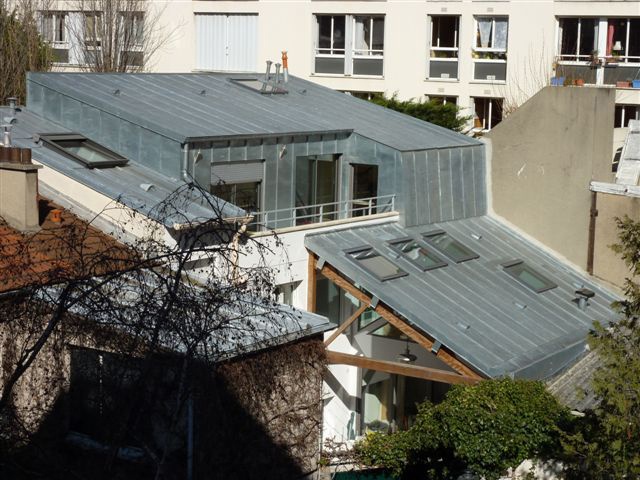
[436, 112]
[487, 428]
[606, 444]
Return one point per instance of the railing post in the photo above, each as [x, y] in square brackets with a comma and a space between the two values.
[370, 203]
[294, 217]
[321, 219]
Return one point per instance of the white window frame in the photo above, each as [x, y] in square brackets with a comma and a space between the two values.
[55, 17]
[349, 53]
[575, 58]
[438, 48]
[490, 49]
[136, 24]
[623, 58]
[486, 122]
[442, 97]
[623, 109]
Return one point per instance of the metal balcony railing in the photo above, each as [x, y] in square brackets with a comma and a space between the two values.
[321, 213]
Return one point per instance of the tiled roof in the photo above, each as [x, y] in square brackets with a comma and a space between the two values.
[59, 251]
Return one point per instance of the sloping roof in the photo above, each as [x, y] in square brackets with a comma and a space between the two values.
[175, 106]
[573, 387]
[53, 253]
[629, 166]
[488, 319]
[127, 183]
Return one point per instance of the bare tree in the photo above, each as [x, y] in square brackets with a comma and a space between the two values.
[107, 35]
[161, 310]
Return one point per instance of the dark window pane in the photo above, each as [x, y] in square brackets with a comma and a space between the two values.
[378, 33]
[445, 30]
[324, 31]
[338, 32]
[588, 36]
[634, 39]
[569, 41]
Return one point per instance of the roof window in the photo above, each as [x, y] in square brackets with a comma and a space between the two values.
[259, 86]
[449, 246]
[375, 263]
[422, 257]
[83, 150]
[527, 276]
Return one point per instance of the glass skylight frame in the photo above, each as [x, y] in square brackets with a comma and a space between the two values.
[432, 253]
[511, 268]
[367, 252]
[52, 139]
[430, 237]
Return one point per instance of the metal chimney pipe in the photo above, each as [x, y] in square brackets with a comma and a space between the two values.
[13, 104]
[285, 66]
[277, 73]
[6, 141]
[267, 74]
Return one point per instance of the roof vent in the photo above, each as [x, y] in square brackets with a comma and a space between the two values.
[582, 297]
[203, 92]
[116, 92]
[476, 236]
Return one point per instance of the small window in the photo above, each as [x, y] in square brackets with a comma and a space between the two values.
[389, 331]
[260, 85]
[83, 150]
[421, 256]
[527, 276]
[367, 318]
[375, 263]
[452, 248]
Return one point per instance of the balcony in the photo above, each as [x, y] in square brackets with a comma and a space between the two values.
[306, 215]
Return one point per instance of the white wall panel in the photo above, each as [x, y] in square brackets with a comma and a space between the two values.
[226, 42]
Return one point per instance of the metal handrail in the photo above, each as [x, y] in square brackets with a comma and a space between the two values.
[324, 212]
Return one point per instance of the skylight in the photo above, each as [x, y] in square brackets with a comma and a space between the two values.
[375, 263]
[418, 254]
[449, 246]
[83, 150]
[260, 86]
[527, 276]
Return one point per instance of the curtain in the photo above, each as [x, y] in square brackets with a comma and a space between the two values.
[502, 26]
[484, 28]
[360, 35]
[610, 32]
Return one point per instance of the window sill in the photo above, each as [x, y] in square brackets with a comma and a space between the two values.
[342, 75]
[488, 82]
[443, 80]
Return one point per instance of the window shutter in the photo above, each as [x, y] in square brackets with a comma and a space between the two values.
[237, 172]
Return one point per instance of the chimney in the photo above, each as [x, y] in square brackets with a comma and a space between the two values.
[19, 189]
[285, 66]
[277, 73]
[582, 297]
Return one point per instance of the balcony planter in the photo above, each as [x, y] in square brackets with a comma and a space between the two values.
[557, 81]
[635, 83]
[623, 84]
[579, 82]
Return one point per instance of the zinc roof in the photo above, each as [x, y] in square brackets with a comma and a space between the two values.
[134, 185]
[488, 319]
[198, 106]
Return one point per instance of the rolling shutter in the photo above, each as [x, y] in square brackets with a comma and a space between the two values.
[237, 172]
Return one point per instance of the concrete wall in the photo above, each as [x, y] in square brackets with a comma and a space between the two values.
[544, 157]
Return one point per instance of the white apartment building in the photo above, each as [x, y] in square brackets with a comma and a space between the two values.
[486, 56]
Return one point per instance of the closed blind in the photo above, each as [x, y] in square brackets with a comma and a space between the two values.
[240, 172]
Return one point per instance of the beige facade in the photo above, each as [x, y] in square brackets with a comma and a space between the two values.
[504, 50]
[544, 157]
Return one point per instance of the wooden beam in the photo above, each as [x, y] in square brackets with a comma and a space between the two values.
[385, 312]
[311, 279]
[425, 373]
[346, 324]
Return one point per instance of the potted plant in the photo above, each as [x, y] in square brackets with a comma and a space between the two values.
[623, 84]
[579, 82]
